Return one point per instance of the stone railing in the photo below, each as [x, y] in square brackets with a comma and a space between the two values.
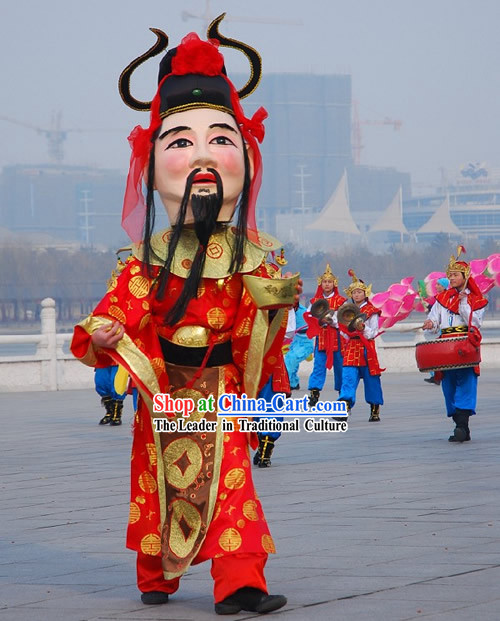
[50, 368]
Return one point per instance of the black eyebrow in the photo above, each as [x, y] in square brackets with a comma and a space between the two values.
[223, 126]
[173, 130]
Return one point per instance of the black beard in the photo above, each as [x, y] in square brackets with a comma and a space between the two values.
[206, 209]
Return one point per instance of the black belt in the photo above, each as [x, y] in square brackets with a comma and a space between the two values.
[193, 356]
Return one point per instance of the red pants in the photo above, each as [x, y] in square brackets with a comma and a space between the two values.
[230, 573]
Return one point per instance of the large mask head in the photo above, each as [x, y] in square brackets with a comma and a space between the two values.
[199, 153]
[199, 144]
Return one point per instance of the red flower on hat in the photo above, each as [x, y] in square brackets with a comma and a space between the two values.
[197, 56]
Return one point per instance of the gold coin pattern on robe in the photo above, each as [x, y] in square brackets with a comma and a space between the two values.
[250, 510]
[139, 286]
[182, 475]
[216, 317]
[230, 540]
[235, 478]
[117, 313]
[214, 250]
[144, 321]
[147, 482]
[244, 328]
[151, 449]
[135, 513]
[185, 513]
[268, 544]
[151, 544]
[189, 393]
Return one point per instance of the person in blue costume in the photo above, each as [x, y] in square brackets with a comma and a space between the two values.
[112, 401]
[328, 346]
[301, 348]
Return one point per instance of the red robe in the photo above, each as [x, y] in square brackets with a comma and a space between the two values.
[354, 350]
[192, 495]
[328, 336]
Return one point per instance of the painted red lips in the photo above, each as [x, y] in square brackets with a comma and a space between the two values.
[204, 177]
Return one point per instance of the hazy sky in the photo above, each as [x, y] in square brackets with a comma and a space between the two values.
[433, 64]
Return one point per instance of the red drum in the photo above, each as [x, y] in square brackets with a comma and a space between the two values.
[455, 352]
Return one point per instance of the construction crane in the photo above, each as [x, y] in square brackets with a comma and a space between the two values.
[356, 136]
[54, 134]
[208, 15]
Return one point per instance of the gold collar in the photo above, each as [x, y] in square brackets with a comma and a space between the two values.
[219, 249]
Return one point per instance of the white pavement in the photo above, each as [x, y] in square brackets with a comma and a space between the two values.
[387, 522]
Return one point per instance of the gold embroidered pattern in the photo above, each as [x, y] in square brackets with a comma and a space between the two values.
[184, 527]
[139, 286]
[250, 510]
[244, 328]
[268, 544]
[117, 313]
[235, 478]
[151, 544]
[144, 321]
[134, 514]
[151, 449]
[230, 540]
[216, 318]
[214, 250]
[182, 461]
[147, 482]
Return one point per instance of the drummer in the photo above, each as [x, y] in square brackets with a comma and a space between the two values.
[459, 310]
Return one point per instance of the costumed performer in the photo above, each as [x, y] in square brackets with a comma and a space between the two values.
[328, 345]
[360, 355]
[301, 348]
[459, 310]
[189, 317]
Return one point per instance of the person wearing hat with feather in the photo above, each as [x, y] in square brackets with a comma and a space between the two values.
[459, 310]
[360, 355]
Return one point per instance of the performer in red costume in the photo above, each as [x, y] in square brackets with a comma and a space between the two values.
[459, 310]
[360, 355]
[193, 315]
[328, 346]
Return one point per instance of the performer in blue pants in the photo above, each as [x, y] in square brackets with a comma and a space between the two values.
[104, 380]
[328, 346]
[459, 311]
[301, 348]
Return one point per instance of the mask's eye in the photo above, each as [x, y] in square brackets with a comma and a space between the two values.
[222, 140]
[180, 143]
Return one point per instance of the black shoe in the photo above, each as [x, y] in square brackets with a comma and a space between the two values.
[313, 397]
[459, 435]
[374, 413]
[250, 599]
[429, 380]
[107, 403]
[154, 598]
[262, 457]
[295, 387]
[116, 418]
